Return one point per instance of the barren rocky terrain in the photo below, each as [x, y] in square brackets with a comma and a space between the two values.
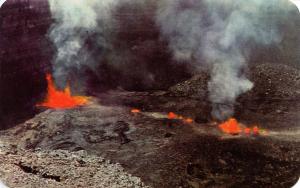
[160, 151]
[104, 144]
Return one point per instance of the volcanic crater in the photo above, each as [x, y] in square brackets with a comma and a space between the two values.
[161, 135]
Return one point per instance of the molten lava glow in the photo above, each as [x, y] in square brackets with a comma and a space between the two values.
[231, 126]
[172, 115]
[255, 130]
[61, 99]
[188, 120]
[247, 131]
[135, 111]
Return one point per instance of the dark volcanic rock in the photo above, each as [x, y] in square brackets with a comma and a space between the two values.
[275, 81]
[184, 155]
[195, 87]
[25, 56]
[181, 155]
[270, 80]
[163, 156]
[276, 91]
[275, 98]
[62, 169]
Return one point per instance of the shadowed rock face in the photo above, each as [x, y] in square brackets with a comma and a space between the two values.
[24, 56]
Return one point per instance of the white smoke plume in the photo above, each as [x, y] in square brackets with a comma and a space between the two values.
[218, 34]
[75, 21]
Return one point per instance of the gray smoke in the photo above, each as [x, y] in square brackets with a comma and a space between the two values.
[75, 22]
[217, 34]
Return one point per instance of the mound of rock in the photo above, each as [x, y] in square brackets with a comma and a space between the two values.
[61, 169]
[196, 87]
[271, 80]
[277, 81]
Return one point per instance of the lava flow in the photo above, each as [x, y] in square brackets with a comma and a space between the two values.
[61, 99]
[232, 126]
[172, 115]
[135, 111]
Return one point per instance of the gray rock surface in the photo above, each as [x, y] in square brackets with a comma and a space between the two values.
[61, 169]
[162, 152]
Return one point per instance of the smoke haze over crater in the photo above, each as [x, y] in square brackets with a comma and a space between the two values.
[220, 35]
[109, 44]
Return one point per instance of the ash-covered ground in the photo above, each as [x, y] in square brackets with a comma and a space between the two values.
[80, 146]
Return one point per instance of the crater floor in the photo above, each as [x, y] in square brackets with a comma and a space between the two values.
[61, 148]
[116, 147]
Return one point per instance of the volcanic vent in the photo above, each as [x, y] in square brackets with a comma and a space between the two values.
[185, 93]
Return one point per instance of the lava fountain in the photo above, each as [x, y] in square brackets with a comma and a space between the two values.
[61, 99]
[232, 126]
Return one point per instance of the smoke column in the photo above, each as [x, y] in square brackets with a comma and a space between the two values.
[216, 34]
[75, 21]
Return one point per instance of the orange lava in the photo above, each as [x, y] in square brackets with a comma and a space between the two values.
[255, 130]
[231, 126]
[61, 99]
[172, 115]
[247, 131]
[135, 111]
[188, 120]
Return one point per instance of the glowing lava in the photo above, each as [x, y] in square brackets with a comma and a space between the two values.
[61, 99]
[247, 131]
[172, 115]
[255, 130]
[231, 126]
[188, 120]
[135, 111]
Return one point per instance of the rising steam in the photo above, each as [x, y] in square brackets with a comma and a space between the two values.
[218, 34]
[75, 22]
